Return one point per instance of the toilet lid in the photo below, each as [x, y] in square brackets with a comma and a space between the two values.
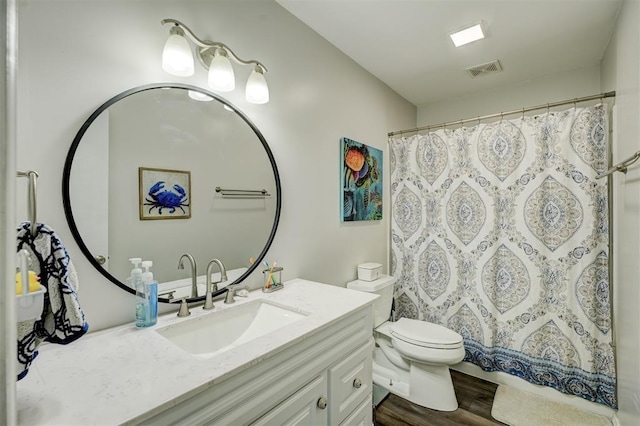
[424, 333]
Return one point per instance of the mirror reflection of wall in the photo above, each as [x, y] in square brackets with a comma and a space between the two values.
[165, 129]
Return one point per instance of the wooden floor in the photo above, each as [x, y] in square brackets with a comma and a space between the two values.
[475, 398]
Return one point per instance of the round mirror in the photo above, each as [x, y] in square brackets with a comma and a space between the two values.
[163, 170]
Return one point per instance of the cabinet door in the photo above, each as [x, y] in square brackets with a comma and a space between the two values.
[350, 383]
[302, 408]
[362, 416]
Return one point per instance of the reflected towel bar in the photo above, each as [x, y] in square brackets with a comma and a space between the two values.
[243, 192]
[621, 166]
[33, 205]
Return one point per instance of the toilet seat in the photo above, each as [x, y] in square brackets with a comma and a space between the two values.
[425, 334]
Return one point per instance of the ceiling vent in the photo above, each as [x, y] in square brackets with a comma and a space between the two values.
[484, 69]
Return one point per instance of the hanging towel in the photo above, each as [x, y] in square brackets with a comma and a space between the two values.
[62, 319]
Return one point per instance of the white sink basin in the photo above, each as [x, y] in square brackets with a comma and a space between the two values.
[211, 334]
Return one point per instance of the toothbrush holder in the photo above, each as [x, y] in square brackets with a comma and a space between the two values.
[272, 279]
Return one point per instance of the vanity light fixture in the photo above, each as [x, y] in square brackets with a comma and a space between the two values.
[467, 35]
[214, 56]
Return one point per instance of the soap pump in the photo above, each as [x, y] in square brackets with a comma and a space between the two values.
[147, 298]
[136, 272]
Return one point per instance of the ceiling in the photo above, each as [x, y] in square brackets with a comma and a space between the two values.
[405, 43]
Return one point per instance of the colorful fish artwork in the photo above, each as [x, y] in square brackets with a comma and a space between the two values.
[360, 181]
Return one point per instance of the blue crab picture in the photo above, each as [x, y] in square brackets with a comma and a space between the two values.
[164, 193]
[160, 198]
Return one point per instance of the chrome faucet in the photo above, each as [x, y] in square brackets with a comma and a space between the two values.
[211, 287]
[194, 275]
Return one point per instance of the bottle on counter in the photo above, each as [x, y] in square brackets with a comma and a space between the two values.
[146, 298]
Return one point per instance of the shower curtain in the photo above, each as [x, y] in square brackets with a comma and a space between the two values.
[500, 232]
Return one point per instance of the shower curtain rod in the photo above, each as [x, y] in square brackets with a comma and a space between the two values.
[502, 114]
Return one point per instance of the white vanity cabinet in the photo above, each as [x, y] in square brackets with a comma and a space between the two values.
[307, 406]
[131, 376]
[325, 379]
[330, 397]
[350, 383]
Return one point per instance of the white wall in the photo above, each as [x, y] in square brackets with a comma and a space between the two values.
[621, 72]
[76, 54]
[547, 89]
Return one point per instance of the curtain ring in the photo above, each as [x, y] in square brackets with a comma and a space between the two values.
[478, 121]
[547, 109]
[501, 116]
[523, 114]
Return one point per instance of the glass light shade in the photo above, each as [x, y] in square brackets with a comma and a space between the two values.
[257, 89]
[176, 56]
[199, 96]
[221, 77]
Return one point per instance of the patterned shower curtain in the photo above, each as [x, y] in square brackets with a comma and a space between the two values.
[500, 232]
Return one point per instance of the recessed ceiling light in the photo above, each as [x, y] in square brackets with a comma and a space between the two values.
[467, 35]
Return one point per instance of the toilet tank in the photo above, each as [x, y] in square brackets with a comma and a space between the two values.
[383, 286]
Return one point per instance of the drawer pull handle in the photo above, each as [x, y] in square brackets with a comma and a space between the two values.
[357, 383]
[322, 403]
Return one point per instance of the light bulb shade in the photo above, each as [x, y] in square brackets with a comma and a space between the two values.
[199, 96]
[257, 90]
[221, 77]
[176, 56]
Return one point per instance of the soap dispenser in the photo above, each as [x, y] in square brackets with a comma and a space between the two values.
[146, 298]
[136, 273]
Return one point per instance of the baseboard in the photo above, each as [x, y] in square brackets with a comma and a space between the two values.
[501, 378]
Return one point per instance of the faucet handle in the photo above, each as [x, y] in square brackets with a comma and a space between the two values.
[168, 293]
[184, 307]
[231, 293]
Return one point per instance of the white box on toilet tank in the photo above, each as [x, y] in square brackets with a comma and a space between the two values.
[383, 287]
[369, 271]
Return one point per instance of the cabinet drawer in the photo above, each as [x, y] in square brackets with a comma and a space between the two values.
[362, 416]
[301, 408]
[350, 383]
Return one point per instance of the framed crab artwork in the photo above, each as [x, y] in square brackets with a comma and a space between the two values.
[164, 194]
[360, 181]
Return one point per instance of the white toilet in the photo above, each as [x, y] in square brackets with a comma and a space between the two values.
[412, 357]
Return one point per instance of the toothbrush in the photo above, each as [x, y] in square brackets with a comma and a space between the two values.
[271, 277]
[270, 268]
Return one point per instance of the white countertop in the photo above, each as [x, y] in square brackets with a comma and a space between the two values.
[116, 375]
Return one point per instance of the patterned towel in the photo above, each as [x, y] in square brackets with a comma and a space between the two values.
[62, 318]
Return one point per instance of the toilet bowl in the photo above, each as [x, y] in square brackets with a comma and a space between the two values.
[412, 358]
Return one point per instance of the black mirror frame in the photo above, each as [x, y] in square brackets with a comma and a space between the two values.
[66, 176]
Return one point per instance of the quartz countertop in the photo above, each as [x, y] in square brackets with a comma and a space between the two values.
[125, 373]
